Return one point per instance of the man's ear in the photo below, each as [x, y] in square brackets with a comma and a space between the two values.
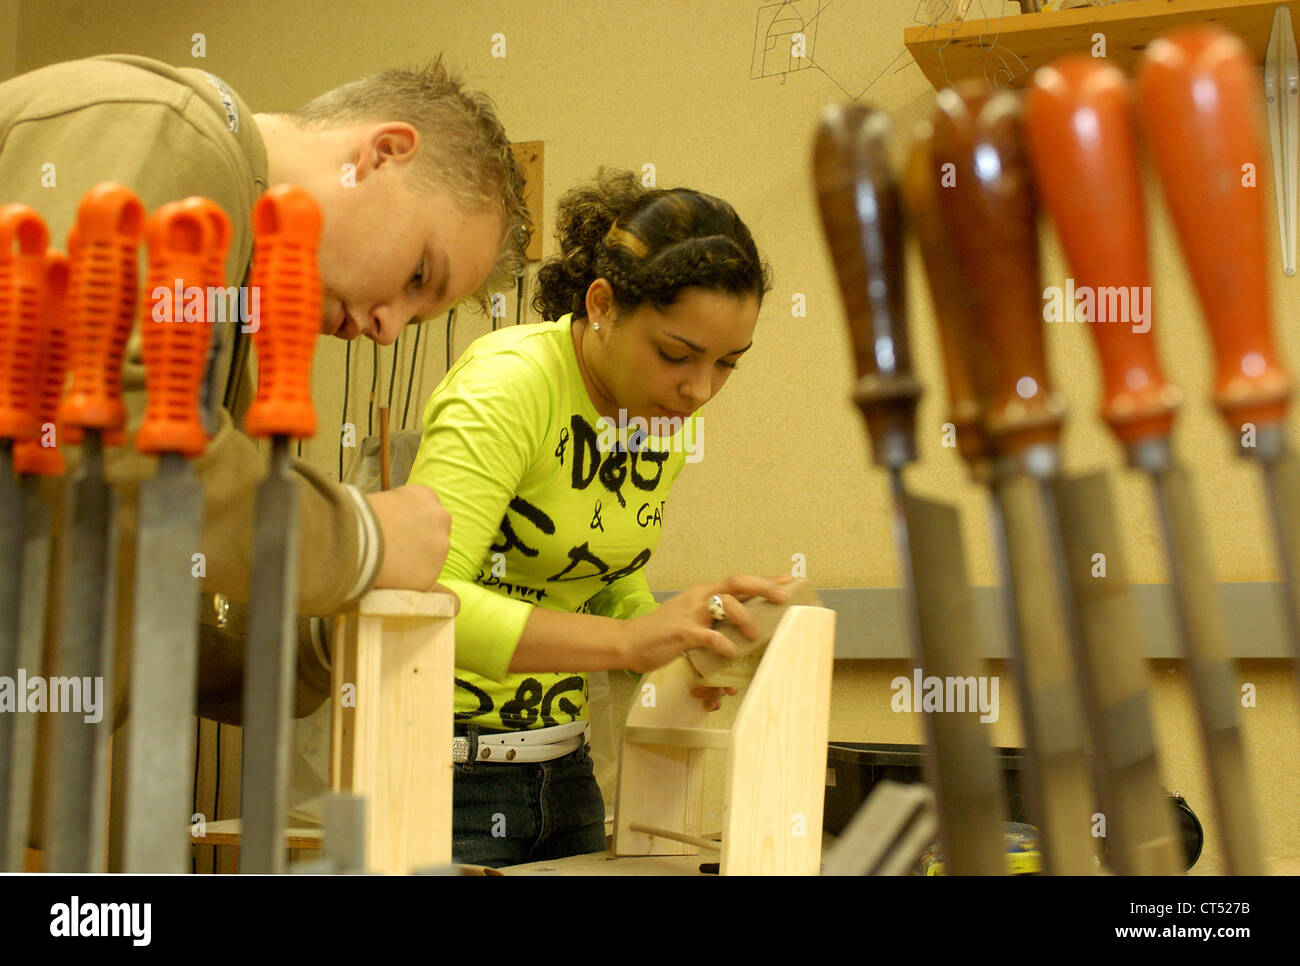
[393, 142]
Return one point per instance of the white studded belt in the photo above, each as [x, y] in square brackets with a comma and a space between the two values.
[520, 747]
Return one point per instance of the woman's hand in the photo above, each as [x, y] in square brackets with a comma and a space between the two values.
[684, 622]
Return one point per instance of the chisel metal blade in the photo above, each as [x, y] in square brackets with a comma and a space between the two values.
[1282, 480]
[1140, 835]
[13, 527]
[78, 799]
[969, 792]
[1210, 671]
[268, 677]
[287, 222]
[23, 240]
[164, 668]
[1282, 95]
[100, 309]
[860, 201]
[1053, 719]
[31, 641]
[186, 241]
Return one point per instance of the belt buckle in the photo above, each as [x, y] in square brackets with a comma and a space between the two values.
[465, 750]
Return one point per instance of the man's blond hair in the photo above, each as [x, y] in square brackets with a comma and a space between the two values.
[463, 146]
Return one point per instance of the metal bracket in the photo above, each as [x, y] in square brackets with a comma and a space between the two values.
[892, 828]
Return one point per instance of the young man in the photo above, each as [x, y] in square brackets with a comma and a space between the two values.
[422, 207]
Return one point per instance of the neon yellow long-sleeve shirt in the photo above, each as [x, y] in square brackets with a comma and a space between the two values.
[548, 509]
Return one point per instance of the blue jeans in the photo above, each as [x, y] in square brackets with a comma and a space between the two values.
[508, 814]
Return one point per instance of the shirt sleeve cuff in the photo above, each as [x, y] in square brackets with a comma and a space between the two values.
[369, 543]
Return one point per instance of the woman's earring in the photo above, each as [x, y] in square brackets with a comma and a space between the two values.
[595, 325]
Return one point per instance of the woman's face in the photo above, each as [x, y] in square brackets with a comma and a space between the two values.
[670, 363]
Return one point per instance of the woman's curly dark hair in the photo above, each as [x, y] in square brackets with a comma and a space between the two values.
[649, 244]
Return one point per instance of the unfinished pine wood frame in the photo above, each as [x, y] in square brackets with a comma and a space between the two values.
[393, 669]
[775, 756]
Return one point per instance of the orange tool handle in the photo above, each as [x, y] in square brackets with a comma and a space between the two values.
[858, 196]
[215, 266]
[31, 455]
[102, 280]
[1198, 94]
[989, 210]
[175, 326]
[1080, 128]
[286, 280]
[954, 305]
[23, 238]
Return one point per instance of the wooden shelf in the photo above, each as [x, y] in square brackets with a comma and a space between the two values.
[1006, 51]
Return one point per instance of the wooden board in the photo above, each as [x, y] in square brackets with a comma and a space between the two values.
[392, 707]
[776, 776]
[531, 156]
[1007, 50]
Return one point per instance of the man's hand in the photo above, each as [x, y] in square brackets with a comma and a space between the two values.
[417, 535]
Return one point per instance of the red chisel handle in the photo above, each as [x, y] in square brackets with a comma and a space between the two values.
[990, 212]
[954, 306]
[31, 455]
[1080, 128]
[286, 279]
[102, 280]
[23, 238]
[175, 326]
[1198, 94]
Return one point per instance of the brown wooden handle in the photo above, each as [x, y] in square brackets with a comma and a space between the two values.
[1079, 125]
[858, 195]
[1198, 94]
[989, 209]
[954, 305]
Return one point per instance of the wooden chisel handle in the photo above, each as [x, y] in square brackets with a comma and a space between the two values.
[1080, 129]
[858, 196]
[990, 213]
[954, 304]
[32, 456]
[181, 237]
[23, 239]
[102, 279]
[286, 223]
[1198, 94]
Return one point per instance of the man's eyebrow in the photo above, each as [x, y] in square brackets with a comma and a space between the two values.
[733, 352]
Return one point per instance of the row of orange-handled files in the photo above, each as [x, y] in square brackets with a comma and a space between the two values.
[65, 321]
[975, 176]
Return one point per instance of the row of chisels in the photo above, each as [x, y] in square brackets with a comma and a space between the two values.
[65, 321]
[970, 189]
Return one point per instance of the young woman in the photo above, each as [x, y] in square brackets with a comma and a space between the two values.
[554, 447]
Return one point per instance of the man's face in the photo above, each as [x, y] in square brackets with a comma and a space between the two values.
[390, 253]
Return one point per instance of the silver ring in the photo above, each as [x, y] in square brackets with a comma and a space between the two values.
[716, 609]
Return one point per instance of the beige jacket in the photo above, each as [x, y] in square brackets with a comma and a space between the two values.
[170, 133]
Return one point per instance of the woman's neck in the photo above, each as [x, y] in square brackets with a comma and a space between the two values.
[586, 348]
